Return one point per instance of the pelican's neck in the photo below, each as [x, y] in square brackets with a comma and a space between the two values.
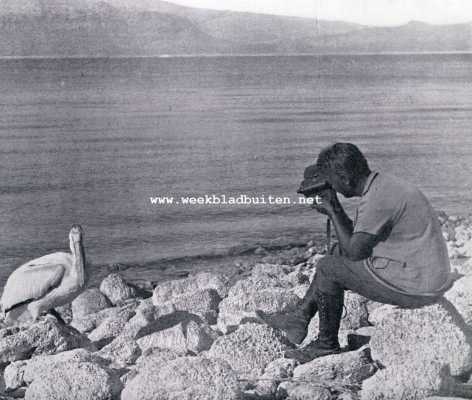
[79, 260]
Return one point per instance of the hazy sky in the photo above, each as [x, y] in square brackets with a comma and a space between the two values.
[372, 12]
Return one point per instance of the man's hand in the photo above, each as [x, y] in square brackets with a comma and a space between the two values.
[326, 202]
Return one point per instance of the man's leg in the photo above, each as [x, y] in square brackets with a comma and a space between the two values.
[295, 322]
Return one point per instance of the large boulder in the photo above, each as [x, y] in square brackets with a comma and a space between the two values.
[420, 349]
[168, 291]
[239, 308]
[45, 337]
[74, 381]
[307, 391]
[121, 352]
[21, 373]
[203, 303]
[343, 369]
[249, 349]
[90, 322]
[186, 336]
[274, 373]
[185, 378]
[109, 328]
[116, 289]
[89, 302]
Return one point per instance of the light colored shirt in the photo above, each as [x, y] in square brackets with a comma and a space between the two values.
[411, 254]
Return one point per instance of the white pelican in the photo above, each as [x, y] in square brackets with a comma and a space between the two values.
[46, 282]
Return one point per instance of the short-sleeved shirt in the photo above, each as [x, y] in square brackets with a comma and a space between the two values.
[411, 253]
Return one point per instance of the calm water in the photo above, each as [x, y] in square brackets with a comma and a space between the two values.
[89, 141]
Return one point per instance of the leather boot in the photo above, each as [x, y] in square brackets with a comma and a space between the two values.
[293, 323]
[330, 308]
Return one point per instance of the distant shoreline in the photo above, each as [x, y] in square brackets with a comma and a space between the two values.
[223, 55]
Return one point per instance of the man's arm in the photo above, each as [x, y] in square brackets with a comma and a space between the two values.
[357, 246]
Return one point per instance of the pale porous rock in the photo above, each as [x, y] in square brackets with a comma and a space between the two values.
[187, 336]
[274, 373]
[89, 302]
[300, 290]
[116, 289]
[461, 297]
[168, 291]
[21, 373]
[274, 271]
[109, 328]
[258, 282]
[90, 322]
[236, 309]
[44, 337]
[307, 391]
[249, 349]
[420, 349]
[74, 381]
[185, 378]
[350, 368]
[203, 303]
[121, 352]
[154, 358]
[145, 318]
[65, 312]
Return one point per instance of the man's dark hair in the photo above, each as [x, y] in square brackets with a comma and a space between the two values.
[344, 159]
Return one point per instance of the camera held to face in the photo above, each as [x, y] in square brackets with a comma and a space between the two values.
[313, 182]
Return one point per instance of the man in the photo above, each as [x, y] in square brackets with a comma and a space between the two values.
[393, 252]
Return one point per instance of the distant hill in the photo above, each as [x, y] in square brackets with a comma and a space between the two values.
[149, 27]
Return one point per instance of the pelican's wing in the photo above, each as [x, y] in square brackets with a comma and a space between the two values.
[31, 281]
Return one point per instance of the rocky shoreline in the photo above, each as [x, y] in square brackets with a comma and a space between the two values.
[198, 338]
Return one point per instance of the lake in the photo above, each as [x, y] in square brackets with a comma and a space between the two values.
[89, 141]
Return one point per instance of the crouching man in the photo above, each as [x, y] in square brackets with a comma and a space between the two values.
[393, 253]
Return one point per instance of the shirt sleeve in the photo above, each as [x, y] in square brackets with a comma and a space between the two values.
[377, 213]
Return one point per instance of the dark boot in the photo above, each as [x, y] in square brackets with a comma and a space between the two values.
[293, 323]
[330, 308]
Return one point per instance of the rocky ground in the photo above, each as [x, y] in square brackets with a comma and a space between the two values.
[198, 338]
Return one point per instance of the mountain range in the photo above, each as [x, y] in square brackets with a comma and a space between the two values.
[153, 27]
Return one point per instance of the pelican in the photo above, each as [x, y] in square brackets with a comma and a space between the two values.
[46, 282]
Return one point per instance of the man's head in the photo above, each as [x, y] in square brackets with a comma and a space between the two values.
[344, 167]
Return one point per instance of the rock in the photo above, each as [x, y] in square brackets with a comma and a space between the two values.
[273, 271]
[300, 290]
[186, 336]
[90, 322]
[184, 378]
[109, 328]
[115, 288]
[274, 373]
[249, 349]
[258, 282]
[121, 352]
[350, 368]
[89, 302]
[65, 312]
[168, 291]
[237, 309]
[145, 318]
[75, 381]
[203, 303]
[14, 375]
[305, 391]
[45, 337]
[417, 347]
[20, 373]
